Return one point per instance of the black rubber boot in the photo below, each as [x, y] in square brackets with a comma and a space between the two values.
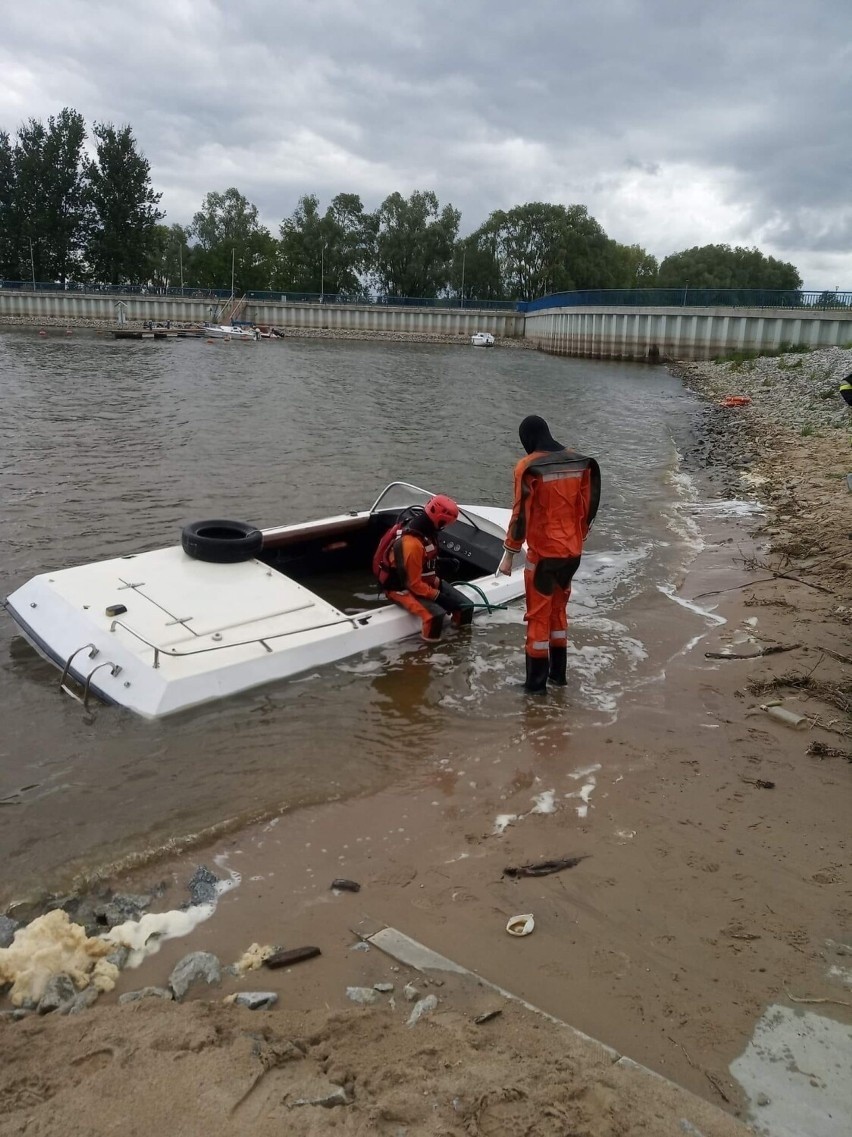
[536, 682]
[431, 629]
[558, 673]
[463, 617]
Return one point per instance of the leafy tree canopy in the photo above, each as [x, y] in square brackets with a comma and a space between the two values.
[720, 266]
[121, 208]
[414, 244]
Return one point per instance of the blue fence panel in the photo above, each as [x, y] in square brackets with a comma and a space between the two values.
[692, 298]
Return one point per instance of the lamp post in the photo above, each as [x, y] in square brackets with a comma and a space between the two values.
[180, 253]
[32, 263]
[233, 260]
[322, 270]
[464, 254]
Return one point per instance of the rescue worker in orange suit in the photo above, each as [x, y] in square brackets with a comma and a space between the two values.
[557, 493]
[407, 570]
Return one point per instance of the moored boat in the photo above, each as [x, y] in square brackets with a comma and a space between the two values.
[230, 332]
[482, 339]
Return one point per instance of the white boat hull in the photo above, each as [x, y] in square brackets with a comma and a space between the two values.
[230, 332]
[195, 631]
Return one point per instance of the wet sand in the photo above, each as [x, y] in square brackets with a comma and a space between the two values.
[703, 897]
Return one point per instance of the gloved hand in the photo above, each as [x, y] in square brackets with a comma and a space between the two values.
[505, 566]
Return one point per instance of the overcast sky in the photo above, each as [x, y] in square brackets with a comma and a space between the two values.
[676, 123]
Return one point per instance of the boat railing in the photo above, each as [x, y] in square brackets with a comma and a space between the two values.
[356, 620]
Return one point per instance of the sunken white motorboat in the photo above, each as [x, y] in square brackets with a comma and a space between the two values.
[233, 607]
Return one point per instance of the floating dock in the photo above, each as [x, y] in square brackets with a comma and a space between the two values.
[157, 333]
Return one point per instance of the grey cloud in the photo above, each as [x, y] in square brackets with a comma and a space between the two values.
[488, 103]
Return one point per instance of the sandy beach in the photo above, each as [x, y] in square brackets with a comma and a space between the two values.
[711, 880]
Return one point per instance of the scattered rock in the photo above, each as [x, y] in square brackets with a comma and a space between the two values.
[81, 1001]
[327, 1096]
[762, 1099]
[16, 1015]
[384, 988]
[121, 908]
[8, 927]
[191, 969]
[119, 957]
[145, 993]
[362, 994]
[343, 885]
[255, 1000]
[410, 992]
[60, 989]
[487, 1017]
[421, 1008]
[202, 886]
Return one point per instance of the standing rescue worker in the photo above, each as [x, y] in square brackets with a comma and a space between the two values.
[557, 493]
[406, 567]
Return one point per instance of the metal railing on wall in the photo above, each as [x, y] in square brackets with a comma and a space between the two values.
[691, 298]
[220, 294]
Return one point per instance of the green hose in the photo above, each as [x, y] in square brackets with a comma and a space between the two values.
[486, 604]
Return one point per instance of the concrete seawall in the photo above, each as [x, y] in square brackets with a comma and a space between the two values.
[681, 333]
[592, 332]
[83, 307]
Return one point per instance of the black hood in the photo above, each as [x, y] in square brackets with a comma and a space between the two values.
[423, 524]
[535, 435]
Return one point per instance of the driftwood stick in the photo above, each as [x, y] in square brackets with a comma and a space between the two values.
[773, 649]
[837, 1002]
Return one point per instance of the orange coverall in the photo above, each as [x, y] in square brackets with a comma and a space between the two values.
[555, 501]
[413, 557]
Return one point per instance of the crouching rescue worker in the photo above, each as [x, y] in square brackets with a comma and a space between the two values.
[557, 493]
[405, 564]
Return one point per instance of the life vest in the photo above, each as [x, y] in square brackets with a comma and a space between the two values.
[387, 554]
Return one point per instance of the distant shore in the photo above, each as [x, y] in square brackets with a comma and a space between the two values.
[56, 324]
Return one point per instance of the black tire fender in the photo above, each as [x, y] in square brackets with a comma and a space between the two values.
[221, 542]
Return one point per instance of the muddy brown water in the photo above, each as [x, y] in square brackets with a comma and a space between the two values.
[110, 447]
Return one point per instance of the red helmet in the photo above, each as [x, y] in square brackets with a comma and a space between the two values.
[442, 510]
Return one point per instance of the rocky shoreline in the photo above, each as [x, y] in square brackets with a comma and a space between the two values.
[795, 420]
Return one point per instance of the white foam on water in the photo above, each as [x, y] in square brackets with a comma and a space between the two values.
[145, 936]
[502, 822]
[545, 802]
[584, 793]
[800, 1065]
[707, 613]
[724, 508]
[584, 771]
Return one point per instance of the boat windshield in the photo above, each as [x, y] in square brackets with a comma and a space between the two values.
[399, 495]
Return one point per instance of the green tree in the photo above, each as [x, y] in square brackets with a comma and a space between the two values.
[475, 272]
[635, 267]
[121, 208]
[227, 233]
[324, 252]
[720, 266]
[544, 248]
[169, 260]
[49, 201]
[9, 253]
[414, 244]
